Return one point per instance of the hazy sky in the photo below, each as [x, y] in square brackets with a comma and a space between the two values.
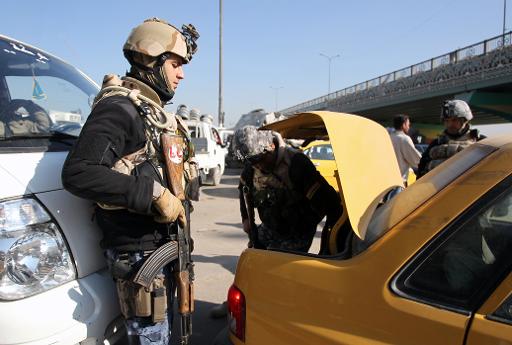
[268, 45]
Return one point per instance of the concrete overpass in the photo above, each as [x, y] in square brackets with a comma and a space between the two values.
[480, 74]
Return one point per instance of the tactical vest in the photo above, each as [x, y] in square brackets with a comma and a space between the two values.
[156, 120]
[448, 147]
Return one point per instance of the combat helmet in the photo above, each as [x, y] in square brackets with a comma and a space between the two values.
[249, 143]
[456, 109]
[150, 44]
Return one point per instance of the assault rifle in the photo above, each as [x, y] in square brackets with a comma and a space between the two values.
[172, 149]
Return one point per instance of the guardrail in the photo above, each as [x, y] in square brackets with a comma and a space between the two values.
[477, 49]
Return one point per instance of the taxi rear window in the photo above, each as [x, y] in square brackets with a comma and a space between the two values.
[392, 212]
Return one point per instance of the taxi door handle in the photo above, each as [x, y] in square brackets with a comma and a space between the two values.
[316, 164]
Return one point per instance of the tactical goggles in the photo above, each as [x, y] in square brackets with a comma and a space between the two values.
[191, 35]
[447, 110]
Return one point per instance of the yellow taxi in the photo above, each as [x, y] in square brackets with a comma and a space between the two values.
[320, 153]
[432, 265]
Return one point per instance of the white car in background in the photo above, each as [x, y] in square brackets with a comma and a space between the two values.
[210, 150]
[54, 284]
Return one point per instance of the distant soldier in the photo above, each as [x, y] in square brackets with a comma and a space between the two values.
[457, 135]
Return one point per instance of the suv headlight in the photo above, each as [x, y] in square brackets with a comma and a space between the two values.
[33, 254]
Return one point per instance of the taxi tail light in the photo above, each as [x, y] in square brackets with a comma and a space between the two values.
[236, 312]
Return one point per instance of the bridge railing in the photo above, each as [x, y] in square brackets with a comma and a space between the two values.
[477, 49]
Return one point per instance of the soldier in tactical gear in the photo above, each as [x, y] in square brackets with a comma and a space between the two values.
[458, 135]
[284, 186]
[119, 163]
[289, 193]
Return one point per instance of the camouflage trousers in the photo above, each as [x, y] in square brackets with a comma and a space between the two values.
[273, 240]
[142, 330]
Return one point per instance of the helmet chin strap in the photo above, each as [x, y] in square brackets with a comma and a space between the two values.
[155, 78]
[460, 132]
[165, 81]
[464, 128]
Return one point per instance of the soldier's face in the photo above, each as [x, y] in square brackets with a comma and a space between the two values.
[453, 124]
[266, 163]
[173, 69]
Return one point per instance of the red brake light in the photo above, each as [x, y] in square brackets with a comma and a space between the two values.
[236, 312]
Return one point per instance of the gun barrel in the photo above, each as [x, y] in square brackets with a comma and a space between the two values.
[186, 328]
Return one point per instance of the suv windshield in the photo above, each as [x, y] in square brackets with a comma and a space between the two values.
[43, 100]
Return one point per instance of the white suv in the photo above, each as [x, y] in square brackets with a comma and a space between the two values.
[54, 285]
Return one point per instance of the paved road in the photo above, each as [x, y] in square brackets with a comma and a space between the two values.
[219, 240]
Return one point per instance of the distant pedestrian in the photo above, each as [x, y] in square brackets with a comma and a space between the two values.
[406, 154]
[458, 134]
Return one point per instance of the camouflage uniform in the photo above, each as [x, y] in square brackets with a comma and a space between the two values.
[143, 330]
[447, 144]
[291, 198]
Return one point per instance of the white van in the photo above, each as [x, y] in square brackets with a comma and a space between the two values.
[54, 285]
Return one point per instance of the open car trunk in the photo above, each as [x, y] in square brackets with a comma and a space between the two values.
[365, 158]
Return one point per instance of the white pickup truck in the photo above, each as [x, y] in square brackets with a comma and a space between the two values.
[209, 149]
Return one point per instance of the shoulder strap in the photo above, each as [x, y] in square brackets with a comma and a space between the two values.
[150, 110]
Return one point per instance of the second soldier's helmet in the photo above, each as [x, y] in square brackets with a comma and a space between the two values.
[249, 142]
[150, 44]
[456, 109]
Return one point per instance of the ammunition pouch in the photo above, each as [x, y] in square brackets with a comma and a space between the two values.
[142, 290]
[447, 149]
[138, 301]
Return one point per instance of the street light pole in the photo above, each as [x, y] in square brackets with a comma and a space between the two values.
[504, 18]
[330, 58]
[221, 110]
[276, 89]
